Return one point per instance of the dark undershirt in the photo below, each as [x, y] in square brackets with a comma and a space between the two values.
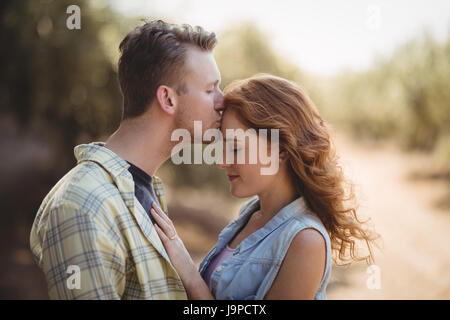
[143, 188]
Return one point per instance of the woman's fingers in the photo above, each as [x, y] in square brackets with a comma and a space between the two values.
[161, 233]
[163, 225]
[162, 214]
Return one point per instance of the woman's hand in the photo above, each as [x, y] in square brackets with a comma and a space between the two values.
[179, 256]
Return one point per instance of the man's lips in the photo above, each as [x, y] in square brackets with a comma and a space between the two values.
[232, 177]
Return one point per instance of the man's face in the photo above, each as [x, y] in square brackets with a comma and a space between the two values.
[202, 99]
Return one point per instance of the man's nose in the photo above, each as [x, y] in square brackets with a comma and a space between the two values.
[218, 102]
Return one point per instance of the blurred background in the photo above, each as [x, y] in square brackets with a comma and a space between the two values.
[379, 72]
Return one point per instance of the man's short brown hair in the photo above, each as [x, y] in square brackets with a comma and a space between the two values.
[152, 55]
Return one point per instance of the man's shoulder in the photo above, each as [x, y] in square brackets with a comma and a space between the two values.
[83, 187]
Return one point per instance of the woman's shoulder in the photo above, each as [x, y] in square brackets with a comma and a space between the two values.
[306, 228]
[308, 240]
[307, 218]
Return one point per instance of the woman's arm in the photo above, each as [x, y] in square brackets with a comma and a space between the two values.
[195, 286]
[302, 268]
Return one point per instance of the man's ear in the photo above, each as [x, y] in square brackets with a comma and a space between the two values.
[167, 99]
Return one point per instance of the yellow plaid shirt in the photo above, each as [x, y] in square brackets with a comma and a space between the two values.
[92, 220]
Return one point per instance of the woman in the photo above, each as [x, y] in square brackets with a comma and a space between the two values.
[282, 244]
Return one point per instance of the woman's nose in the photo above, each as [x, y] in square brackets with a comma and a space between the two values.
[223, 165]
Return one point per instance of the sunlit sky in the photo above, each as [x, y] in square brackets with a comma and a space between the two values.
[322, 37]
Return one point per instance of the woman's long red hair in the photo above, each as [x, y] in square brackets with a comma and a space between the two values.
[269, 102]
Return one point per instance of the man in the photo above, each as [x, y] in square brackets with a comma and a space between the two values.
[93, 236]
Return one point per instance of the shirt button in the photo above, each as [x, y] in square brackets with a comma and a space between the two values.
[219, 268]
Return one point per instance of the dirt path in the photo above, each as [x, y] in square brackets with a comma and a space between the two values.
[415, 260]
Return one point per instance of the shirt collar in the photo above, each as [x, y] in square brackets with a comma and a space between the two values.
[118, 169]
[295, 208]
[97, 152]
[139, 174]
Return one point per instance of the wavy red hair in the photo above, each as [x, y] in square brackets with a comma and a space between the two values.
[269, 102]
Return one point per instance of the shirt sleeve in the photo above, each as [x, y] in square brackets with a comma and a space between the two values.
[81, 260]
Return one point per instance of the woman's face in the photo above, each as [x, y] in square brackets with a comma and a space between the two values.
[245, 178]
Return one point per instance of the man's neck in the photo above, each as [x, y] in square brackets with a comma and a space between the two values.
[142, 142]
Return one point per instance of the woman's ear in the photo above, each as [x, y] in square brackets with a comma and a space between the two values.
[284, 156]
[167, 99]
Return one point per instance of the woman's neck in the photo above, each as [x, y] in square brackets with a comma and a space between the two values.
[278, 196]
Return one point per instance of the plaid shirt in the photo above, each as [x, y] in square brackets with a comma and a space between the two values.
[92, 220]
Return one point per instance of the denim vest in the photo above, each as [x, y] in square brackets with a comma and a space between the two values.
[250, 272]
